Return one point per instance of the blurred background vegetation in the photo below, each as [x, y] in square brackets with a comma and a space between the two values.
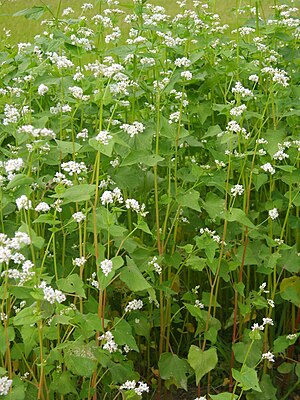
[24, 29]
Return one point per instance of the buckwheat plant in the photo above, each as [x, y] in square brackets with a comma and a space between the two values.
[149, 190]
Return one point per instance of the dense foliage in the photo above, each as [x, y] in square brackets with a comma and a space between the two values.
[149, 188]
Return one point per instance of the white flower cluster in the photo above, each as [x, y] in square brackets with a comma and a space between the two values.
[60, 178]
[273, 214]
[73, 167]
[132, 385]
[78, 217]
[135, 206]
[234, 127]
[52, 295]
[23, 202]
[106, 266]
[268, 168]
[212, 234]
[153, 263]
[77, 93]
[42, 207]
[42, 89]
[240, 89]
[79, 261]
[60, 61]
[263, 287]
[134, 129]
[5, 385]
[238, 111]
[237, 190]
[60, 108]
[12, 165]
[268, 356]
[110, 344]
[22, 276]
[37, 133]
[104, 137]
[182, 62]
[198, 304]
[134, 305]
[110, 197]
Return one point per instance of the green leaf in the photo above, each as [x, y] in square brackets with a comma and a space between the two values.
[189, 199]
[238, 215]
[63, 383]
[214, 205]
[10, 332]
[143, 226]
[20, 180]
[247, 377]
[282, 343]
[34, 12]
[241, 350]
[202, 361]
[77, 193]
[173, 370]
[123, 334]
[133, 277]
[80, 359]
[67, 147]
[27, 316]
[290, 290]
[223, 396]
[104, 149]
[46, 219]
[72, 284]
[143, 158]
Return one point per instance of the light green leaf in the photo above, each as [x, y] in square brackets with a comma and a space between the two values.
[247, 377]
[238, 215]
[290, 290]
[133, 277]
[173, 370]
[202, 361]
[72, 284]
[189, 199]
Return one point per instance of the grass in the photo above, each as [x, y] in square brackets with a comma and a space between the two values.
[24, 29]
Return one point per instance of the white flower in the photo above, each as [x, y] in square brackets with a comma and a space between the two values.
[200, 398]
[42, 89]
[262, 288]
[268, 168]
[143, 387]
[79, 261]
[104, 137]
[67, 11]
[110, 344]
[198, 304]
[271, 303]
[156, 267]
[186, 75]
[106, 266]
[182, 62]
[73, 167]
[134, 129]
[128, 385]
[79, 216]
[291, 336]
[268, 356]
[268, 321]
[23, 202]
[237, 190]
[239, 88]
[5, 385]
[52, 295]
[237, 111]
[134, 305]
[42, 207]
[273, 214]
[256, 327]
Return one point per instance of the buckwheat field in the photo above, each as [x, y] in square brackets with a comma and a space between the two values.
[149, 190]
